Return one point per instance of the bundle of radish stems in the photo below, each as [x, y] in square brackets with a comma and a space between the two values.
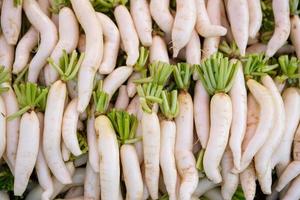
[149, 99]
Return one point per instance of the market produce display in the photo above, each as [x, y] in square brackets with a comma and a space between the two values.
[149, 99]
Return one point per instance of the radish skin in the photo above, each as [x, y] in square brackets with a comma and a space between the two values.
[201, 113]
[282, 30]
[167, 158]
[264, 155]
[214, 194]
[65, 152]
[131, 86]
[115, 79]
[290, 172]
[2, 127]
[109, 162]
[211, 44]
[204, 185]
[203, 24]
[247, 179]
[265, 124]
[48, 34]
[4, 195]
[295, 31]
[255, 17]
[68, 40]
[11, 20]
[185, 160]
[69, 128]
[75, 192]
[88, 20]
[193, 50]
[151, 141]
[238, 95]
[293, 190]
[122, 99]
[162, 16]
[52, 131]
[220, 121]
[111, 44]
[128, 34]
[91, 183]
[238, 14]
[12, 126]
[6, 53]
[41, 167]
[293, 169]
[23, 50]
[158, 50]
[281, 157]
[230, 180]
[28, 147]
[185, 14]
[131, 171]
[252, 120]
[140, 12]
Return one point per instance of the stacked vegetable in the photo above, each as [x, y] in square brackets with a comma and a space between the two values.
[99, 99]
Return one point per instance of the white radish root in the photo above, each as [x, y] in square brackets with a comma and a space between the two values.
[238, 95]
[11, 19]
[220, 121]
[140, 12]
[203, 24]
[88, 20]
[128, 34]
[265, 124]
[109, 162]
[48, 34]
[247, 179]
[201, 113]
[68, 40]
[167, 158]
[111, 44]
[255, 17]
[185, 15]
[185, 160]
[282, 26]
[28, 147]
[158, 50]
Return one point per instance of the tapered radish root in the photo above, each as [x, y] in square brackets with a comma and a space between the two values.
[247, 179]
[265, 124]
[48, 32]
[203, 24]
[185, 14]
[282, 26]
[111, 44]
[239, 20]
[11, 19]
[87, 18]
[128, 34]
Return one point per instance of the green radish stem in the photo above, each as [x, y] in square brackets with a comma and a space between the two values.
[294, 7]
[199, 164]
[142, 61]
[230, 50]
[150, 88]
[169, 105]
[217, 74]
[68, 65]
[125, 125]
[17, 3]
[29, 96]
[4, 78]
[101, 99]
[289, 69]
[182, 74]
[257, 65]
[106, 6]
[159, 73]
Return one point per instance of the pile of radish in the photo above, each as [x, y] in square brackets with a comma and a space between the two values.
[149, 99]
